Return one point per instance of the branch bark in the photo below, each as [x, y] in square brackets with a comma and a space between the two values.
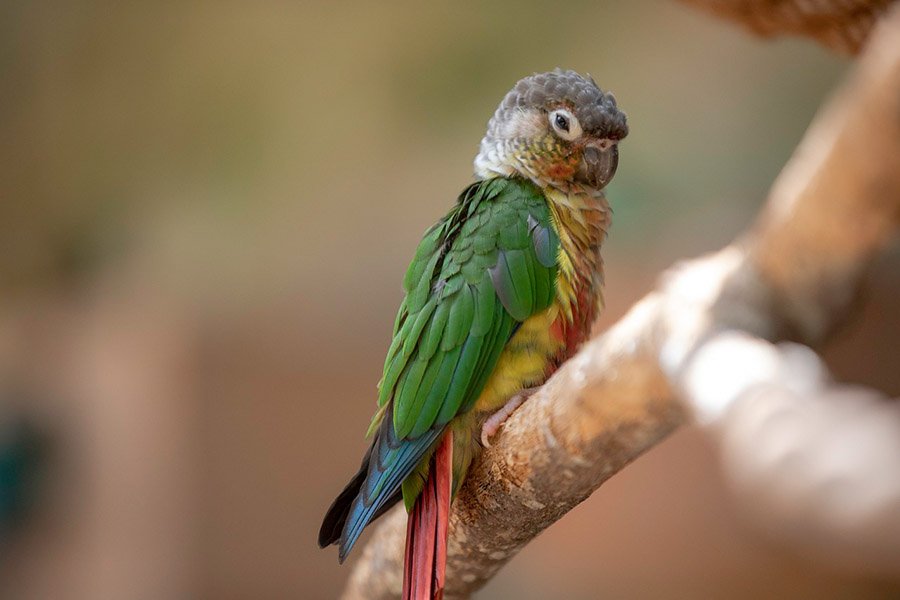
[841, 25]
[794, 273]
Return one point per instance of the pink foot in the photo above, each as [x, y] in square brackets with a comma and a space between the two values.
[496, 420]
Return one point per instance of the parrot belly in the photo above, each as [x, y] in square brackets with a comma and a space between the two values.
[527, 360]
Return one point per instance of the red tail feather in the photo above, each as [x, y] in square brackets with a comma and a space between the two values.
[426, 530]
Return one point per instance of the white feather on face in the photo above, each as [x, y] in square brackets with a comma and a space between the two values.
[493, 157]
[522, 124]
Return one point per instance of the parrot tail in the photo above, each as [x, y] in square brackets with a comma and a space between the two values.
[425, 562]
[375, 488]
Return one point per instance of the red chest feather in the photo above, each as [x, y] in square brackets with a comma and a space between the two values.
[573, 333]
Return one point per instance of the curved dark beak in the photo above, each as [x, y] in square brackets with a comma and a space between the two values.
[599, 165]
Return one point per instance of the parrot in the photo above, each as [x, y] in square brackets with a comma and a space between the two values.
[500, 291]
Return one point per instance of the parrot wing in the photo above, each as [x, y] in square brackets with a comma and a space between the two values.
[489, 265]
[477, 274]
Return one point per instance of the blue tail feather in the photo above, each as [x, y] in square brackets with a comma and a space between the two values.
[376, 487]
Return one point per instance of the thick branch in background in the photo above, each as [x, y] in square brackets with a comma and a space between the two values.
[793, 274]
[816, 465]
[841, 25]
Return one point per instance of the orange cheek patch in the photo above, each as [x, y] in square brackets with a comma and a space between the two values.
[560, 170]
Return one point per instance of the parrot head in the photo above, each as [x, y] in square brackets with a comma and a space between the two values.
[558, 129]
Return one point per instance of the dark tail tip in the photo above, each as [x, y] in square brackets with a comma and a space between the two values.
[335, 521]
[336, 517]
[350, 513]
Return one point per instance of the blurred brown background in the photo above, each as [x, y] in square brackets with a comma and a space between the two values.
[205, 213]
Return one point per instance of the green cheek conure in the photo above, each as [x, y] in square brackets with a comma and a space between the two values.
[501, 290]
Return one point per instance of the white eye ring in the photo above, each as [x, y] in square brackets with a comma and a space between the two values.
[565, 125]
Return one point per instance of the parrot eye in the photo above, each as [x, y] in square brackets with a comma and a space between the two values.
[565, 124]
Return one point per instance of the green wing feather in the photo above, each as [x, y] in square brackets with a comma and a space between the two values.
[477, 274]
[483, 269]
[488, 265]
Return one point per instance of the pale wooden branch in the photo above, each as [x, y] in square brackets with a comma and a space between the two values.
[816, 465]
[841, 25]
[793, 274]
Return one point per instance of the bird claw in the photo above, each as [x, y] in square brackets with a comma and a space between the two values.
[496, 420]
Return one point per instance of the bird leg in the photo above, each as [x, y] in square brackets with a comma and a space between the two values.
[493, 423]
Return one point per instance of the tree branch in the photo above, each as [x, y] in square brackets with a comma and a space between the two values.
[834, 207]
[814, 464]
[841, 25]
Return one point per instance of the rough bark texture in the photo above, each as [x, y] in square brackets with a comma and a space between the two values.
[533, 475]
[793, 274]
[841, 25]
